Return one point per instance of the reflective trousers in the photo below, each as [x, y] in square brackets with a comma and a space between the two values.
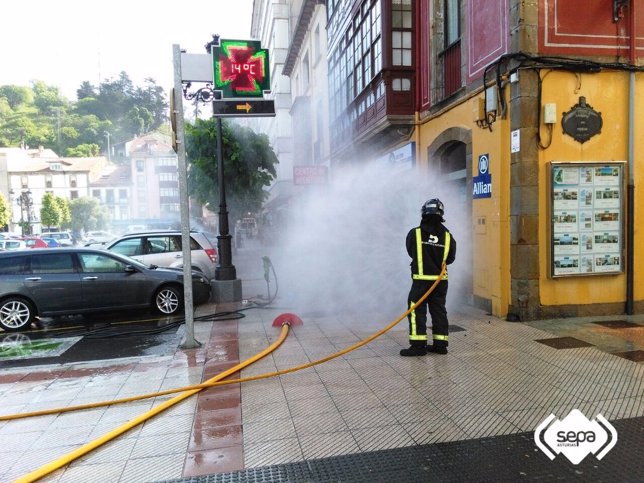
[418, 317]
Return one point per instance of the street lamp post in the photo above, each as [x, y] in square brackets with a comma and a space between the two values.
[25, 201]
[107, 136]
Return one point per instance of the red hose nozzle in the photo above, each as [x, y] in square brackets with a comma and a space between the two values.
[287, 318]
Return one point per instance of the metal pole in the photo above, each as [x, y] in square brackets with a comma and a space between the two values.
[225, 270]
[189, 341]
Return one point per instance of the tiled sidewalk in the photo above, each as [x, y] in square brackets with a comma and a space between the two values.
[498, 379]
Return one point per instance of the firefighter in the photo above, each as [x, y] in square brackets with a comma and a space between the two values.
[429, 246]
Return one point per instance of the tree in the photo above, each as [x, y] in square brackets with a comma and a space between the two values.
[50, 212]
[87, 214]
[5, 212]
[39, 116]
[249, 166]
[16, 96]
[83, 151]
[63, 209]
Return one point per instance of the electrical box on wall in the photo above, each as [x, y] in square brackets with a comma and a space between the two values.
[550, 113]
[478, 109]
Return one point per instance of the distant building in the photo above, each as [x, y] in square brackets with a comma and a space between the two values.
[154, 178]
[30, 173]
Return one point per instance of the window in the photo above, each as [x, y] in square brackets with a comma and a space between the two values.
[401, 84]
[13, 265]
[129, 247]
[167, 176]
[452, 21]
[52, 263]
[93, 263]
[96, 194]
[167, 162]
[48, 181]
[140, 165]
[401, 34]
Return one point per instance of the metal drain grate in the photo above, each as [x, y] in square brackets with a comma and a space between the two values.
[564, 343]
[501, 458]
[619, 324]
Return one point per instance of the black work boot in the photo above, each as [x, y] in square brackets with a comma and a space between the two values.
[413, 351]
[437, 349]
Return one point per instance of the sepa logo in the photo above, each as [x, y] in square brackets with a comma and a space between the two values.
[575, 436]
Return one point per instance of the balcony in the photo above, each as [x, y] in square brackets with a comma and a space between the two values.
[449, 68]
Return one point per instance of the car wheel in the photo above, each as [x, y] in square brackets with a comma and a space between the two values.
[16, 314]
[168, 300]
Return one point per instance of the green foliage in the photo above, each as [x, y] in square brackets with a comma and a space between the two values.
[87, 214]
[65, 213]
[50, 212]
[83, 151]
[5, 211]
[16, 96]
[39, 116]
[249, 166]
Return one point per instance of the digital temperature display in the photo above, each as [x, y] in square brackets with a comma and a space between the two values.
[241, 69]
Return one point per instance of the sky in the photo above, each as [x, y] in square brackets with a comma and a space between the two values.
[66, 42]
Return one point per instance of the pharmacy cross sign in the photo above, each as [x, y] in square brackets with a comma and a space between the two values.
[241, 69]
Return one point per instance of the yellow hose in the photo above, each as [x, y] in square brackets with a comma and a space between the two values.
[69, 457]
[190, 390]
[207, 384]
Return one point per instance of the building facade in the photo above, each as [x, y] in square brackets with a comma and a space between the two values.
[155, 180]
[30, 173]
[271, 26]
[527, 111]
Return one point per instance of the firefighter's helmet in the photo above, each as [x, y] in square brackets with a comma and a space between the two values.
[433, 207]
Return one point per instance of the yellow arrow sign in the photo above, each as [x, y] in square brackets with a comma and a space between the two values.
[244, 107]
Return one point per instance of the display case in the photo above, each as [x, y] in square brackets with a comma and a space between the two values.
[586, 218]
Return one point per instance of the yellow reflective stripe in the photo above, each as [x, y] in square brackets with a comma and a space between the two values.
[420, 275]
[412, 325]
[446, 250]
[419, 252]
[412, 321]
[440, 337]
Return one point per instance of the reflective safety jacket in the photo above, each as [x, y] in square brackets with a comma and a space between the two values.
[429, 245]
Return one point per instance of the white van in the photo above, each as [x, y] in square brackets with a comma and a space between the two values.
[64, 238]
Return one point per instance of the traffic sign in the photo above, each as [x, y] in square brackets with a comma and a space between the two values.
[244, 108]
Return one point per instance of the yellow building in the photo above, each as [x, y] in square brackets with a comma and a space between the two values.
[550, 149]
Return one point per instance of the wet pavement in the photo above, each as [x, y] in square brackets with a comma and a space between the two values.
[75, 339]
[369, 415]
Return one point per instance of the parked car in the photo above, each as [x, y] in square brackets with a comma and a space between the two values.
[12, 244]
[5, 235]
[64, 238]
[35, 242]
[64, 281]
[97, 237]
[163, 248]
[51, 242]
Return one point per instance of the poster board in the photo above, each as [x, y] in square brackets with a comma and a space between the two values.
[587, 218]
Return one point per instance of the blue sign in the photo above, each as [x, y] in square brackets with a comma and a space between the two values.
[482, 184]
